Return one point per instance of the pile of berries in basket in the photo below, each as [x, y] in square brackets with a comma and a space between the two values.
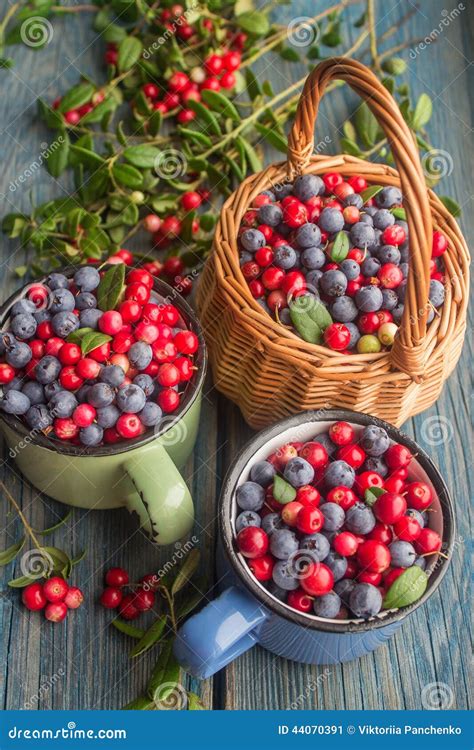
[337, 526]
[330, 258]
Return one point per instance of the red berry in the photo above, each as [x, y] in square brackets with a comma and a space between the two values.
[394, 235]
[72, 117]
[390, 276]
[392, 575]
[140, 276]
[345, 544]
[395, 484]
[116, 577]
[295, 213]
[150, 582]
[137, 292]
[231, 60]
[366, 576]
[33, 597]
[211, 84]
[418, 495]
[38, 294]
[343, 496]
[73, 598]
[373, 556]
[69, 354]
[44, 330]
[55, 612]
[283, 455]
[111, 597]
[168, 400]
[381, 533]
[358, 183]
[101, 353]
[65, 429]
[352, 568]
[129, 426]
[290, 512]
[331, 179]
[185, 115]
[168, 375]
[130, 310]
[84, 415]
[293, 282]
[191, 200]
[389, 507]
[252, 542]
[7, 373]
[440, 244]
[88, 368]
[144, 600]
[407, 529]
[317, 579]
[299, 600]
[127, 608]
[337, 336]
[272, 278]
[264, 256]
[53, 346]
[178, 81]
[151, 90]
[428, 541]
[228, 80]
[152, 223]
[147, 332]
[186, 342]
[341, 433]
[262, 567]
[55, 589]
[69, 378]
[110, 322]
[397, 456]
[368, 479]
[256, 288]
[309, 520]
[353, 455]
[308, 495]
[214, 64]
[38, 347]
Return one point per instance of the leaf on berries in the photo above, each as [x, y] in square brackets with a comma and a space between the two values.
[205, 116]
[310, 318]
[399, 213]
[127, 175]
[186, 571]
[283, 492]
[371, 494]
[127, 629]
[101, 110]
[340, 247]
[453, 207]
[369, 192]
[57, 525]
[220, 103]
[406, 589]
[57, 158]
[110, 287]
[11, 552]
[76, 97]
[92, 341]
[200, 139]
[20, 583]
[254, 22]
[143, 156]
[151, 636]
[129, 52]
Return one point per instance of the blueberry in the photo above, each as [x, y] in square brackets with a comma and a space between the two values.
[245, 257]
[87, 278]
[282, 190]
[57, 281]
[334, 516]
[317, 545]
[140, 355]
[344, 588]
[90, 318]
[284, 257]
[13, 385]
[339, 473]
[327, 605]
[354, 199]
[366, 218]
[389, 299]
[436, 293]
[34, 391]
[374, 440]
[50, 389]
[312, 280]
[112, 374]
[355, 334]
[284, 576]
[86, 301]
[376, 463]
[343, 309]
[307, 186]
[271, 522]
[91, 436]
[81, 393]
[350, 269]
[283, 543]
[62, 404]
[420, 562]
[365, 600]
[62, 301]
[324, 440]
[145, 382]
[263, 305]
[247, 518]
[151, 414]
[270, 214]
[402, 290]
[370, 211]
[337, 564]
[388, 197]
[417, 516]
[262, 472]
[276, 591]
[405, 252]
[313, 258]
[252, 239]
[369, 299]
[64, 323]
[130, 399]
[38, 417]
[250, 496]
[362, 234]
[107, 416]
[383, 219]
[15, 402]
[404, 268]
[308, 235]
[23, 326]
[397, 313]
[370, 266]
[41, 315]
[389, 254]
[18, 355]
[23, 306]
[333, 283]
[100, 394]
[403, 554]
[360, 519]
[47, 369]
[331, 220]
[298, 472]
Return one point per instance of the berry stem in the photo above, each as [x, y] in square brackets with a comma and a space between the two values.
[169, 598]
[373, 34]
[25, 523]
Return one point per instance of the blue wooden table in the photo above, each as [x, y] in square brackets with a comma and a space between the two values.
[83, 664]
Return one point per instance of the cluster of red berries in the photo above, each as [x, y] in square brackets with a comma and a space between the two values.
[318, 519]
[172, 270]
[73, 116]
[166, 230]
[129, 605]
[54, 596]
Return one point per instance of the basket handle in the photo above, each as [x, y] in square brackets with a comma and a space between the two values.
[408, 353]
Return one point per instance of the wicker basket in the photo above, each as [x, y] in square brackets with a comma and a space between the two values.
[267, 369]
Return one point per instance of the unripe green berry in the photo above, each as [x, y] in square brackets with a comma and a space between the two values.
[368, 344]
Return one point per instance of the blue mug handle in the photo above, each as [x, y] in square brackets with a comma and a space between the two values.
[219, 633]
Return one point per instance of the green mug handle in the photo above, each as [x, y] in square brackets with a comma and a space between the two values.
[162, 499]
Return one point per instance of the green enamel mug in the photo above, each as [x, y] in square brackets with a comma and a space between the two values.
[141, 474]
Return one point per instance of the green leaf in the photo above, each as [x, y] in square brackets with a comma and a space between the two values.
[366, 125]
[254, 88]
[310, 318]
[371, 494]
[78, 558]
[201, 139]
[220, 103]
[114, 33]
[100, 111]
[20, 583]
[340, 247]
[252, 156]
[11, 552]
[399, 213]
[154, 122]
[57, 158]
[128, 629]
[85, 156]
[453, 207]
[206, 116]
[186, 571]
[192, 600]
[51, 117]
[395, 66]
[129, 53]
[288, 53]
[273, 137]
[406, 589]
[92, 340]
[283, 492]
[152, 635]
[110, 287]
[254, 22]
[127, 175]
[76, 97]
[195, 703]
[57, 525]
[350, 147]
[142, 156]
[423, 112]
[165, 675]
[370, 192]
